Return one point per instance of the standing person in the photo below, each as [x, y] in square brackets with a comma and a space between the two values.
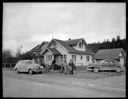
[62, 68]
[53, 64]
[65, 67]
[44, 67]
[72, 66]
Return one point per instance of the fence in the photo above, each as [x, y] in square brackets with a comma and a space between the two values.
[9, 65]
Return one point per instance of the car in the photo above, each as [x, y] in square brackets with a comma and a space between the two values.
[28, 66]
[106, 64]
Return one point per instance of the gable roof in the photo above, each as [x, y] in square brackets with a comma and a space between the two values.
[54, 51]
[73, 42]
[44, 42]
[67, 45]
[109, 53]
[38, 47]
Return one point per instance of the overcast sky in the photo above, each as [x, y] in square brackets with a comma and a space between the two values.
[29, 24]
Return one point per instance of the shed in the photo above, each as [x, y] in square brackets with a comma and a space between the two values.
[117, 54]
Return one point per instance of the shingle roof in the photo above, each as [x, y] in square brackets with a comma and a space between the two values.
[73, 42]
[64, 44]
[44, 42]
[108, 53]
[67, 44]
[54, 51]
[36, 48]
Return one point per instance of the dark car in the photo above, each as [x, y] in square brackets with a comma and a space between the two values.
[107, 64]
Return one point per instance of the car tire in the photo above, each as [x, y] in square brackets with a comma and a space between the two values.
[30, 71]
[16, 69]
[96, 69]
[118, 69]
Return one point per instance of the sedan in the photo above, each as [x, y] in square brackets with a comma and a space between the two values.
[28, 66]
[106, 64]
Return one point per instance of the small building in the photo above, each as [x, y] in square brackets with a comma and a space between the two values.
[76, 49]
[117, 54]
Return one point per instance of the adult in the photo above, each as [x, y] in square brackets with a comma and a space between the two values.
[53, 64]
[72, 66]
[44, 67]
[65, 65]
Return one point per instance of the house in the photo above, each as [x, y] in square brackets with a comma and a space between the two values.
[76, 49]
[38, 49]
[117, 54]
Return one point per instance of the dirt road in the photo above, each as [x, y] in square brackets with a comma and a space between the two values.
[23, 85]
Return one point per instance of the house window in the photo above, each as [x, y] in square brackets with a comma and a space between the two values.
[81, 45]
[48, 57]
[61, 58]
[65, 57]
[81, 57]
[74, 58]
[87, 58]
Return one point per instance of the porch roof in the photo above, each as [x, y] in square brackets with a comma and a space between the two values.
[54, 51]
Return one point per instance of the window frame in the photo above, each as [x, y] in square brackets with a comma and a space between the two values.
[74, 58]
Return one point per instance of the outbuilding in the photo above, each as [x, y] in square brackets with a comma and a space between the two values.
[117, 54]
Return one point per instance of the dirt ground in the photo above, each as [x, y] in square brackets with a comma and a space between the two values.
[112, 83]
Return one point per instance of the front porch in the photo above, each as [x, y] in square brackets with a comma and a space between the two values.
[52, 54]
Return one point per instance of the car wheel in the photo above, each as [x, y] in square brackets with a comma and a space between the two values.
[16, 69]
[96, 69]
[30, 72]
[118, 69]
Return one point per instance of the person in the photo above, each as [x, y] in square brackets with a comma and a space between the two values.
[72, 66]
[53, 63]
[44, 67]
[65, 67]
[62, 68]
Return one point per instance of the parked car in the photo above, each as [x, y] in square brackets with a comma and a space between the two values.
[107, 64]
[28, 66]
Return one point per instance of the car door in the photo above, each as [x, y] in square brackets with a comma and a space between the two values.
[23, 68]
[20, 66]
[105, 65]
[112, 65]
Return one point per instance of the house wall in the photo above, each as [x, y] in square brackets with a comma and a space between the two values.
[80, 49]
[63, 51]
[48, 53]
[79, 61]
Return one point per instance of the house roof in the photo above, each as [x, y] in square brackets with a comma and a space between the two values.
[38, 47]
[44, 42]
[67, 45]
[54, 51]
[64, 44]
[108, 53]
[73, 42]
